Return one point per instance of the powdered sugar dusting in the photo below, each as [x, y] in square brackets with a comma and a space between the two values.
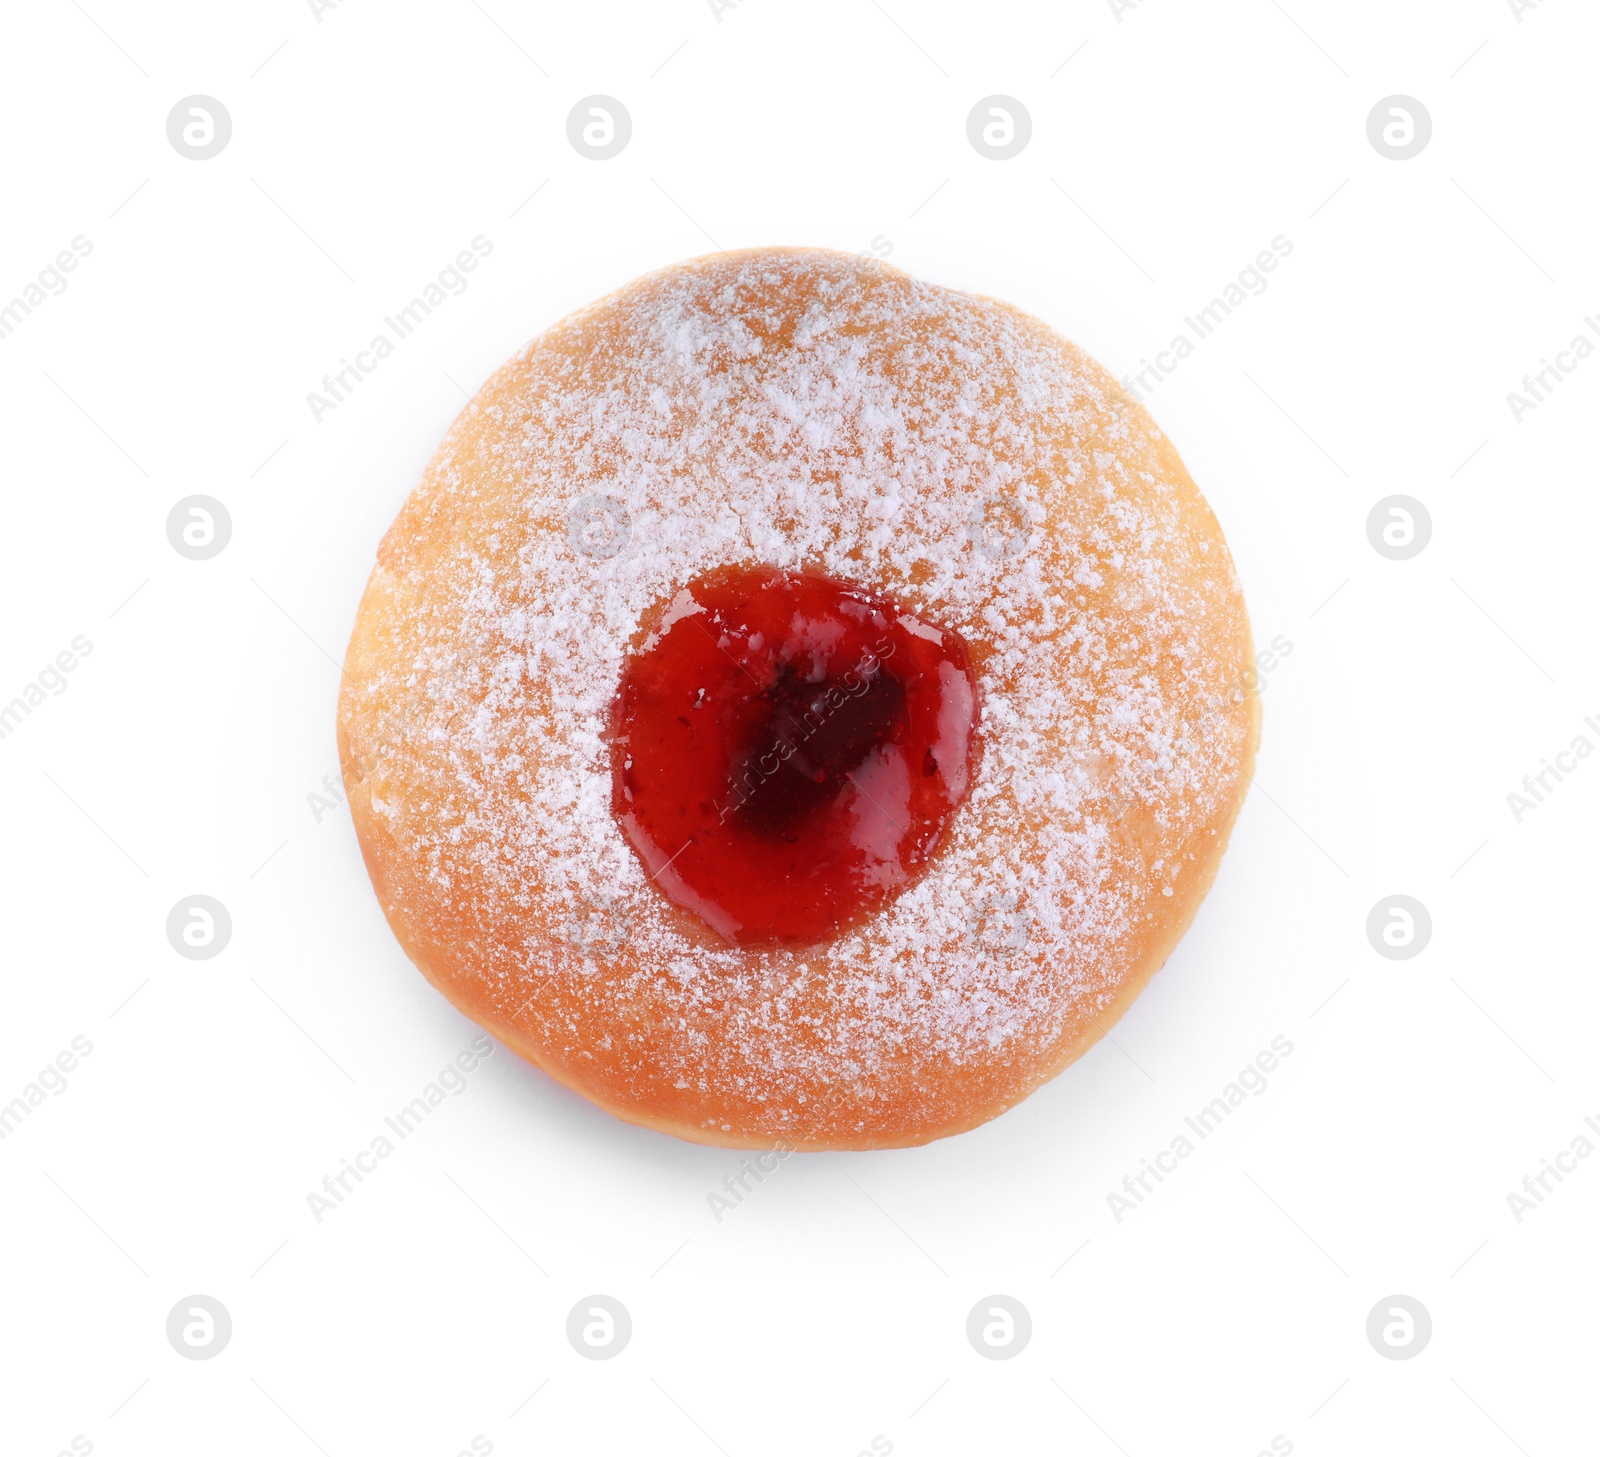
[798, 409]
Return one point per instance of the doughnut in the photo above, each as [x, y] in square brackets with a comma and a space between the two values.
[800, 706]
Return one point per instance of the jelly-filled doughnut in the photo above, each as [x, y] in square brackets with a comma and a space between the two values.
[799, 703]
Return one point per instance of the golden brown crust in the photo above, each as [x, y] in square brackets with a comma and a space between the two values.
[787, 405]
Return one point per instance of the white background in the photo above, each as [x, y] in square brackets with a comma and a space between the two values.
[1169, 146]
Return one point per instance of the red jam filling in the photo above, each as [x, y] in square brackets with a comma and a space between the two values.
[787, 750]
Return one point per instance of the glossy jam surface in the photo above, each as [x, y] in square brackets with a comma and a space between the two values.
[787, 750]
